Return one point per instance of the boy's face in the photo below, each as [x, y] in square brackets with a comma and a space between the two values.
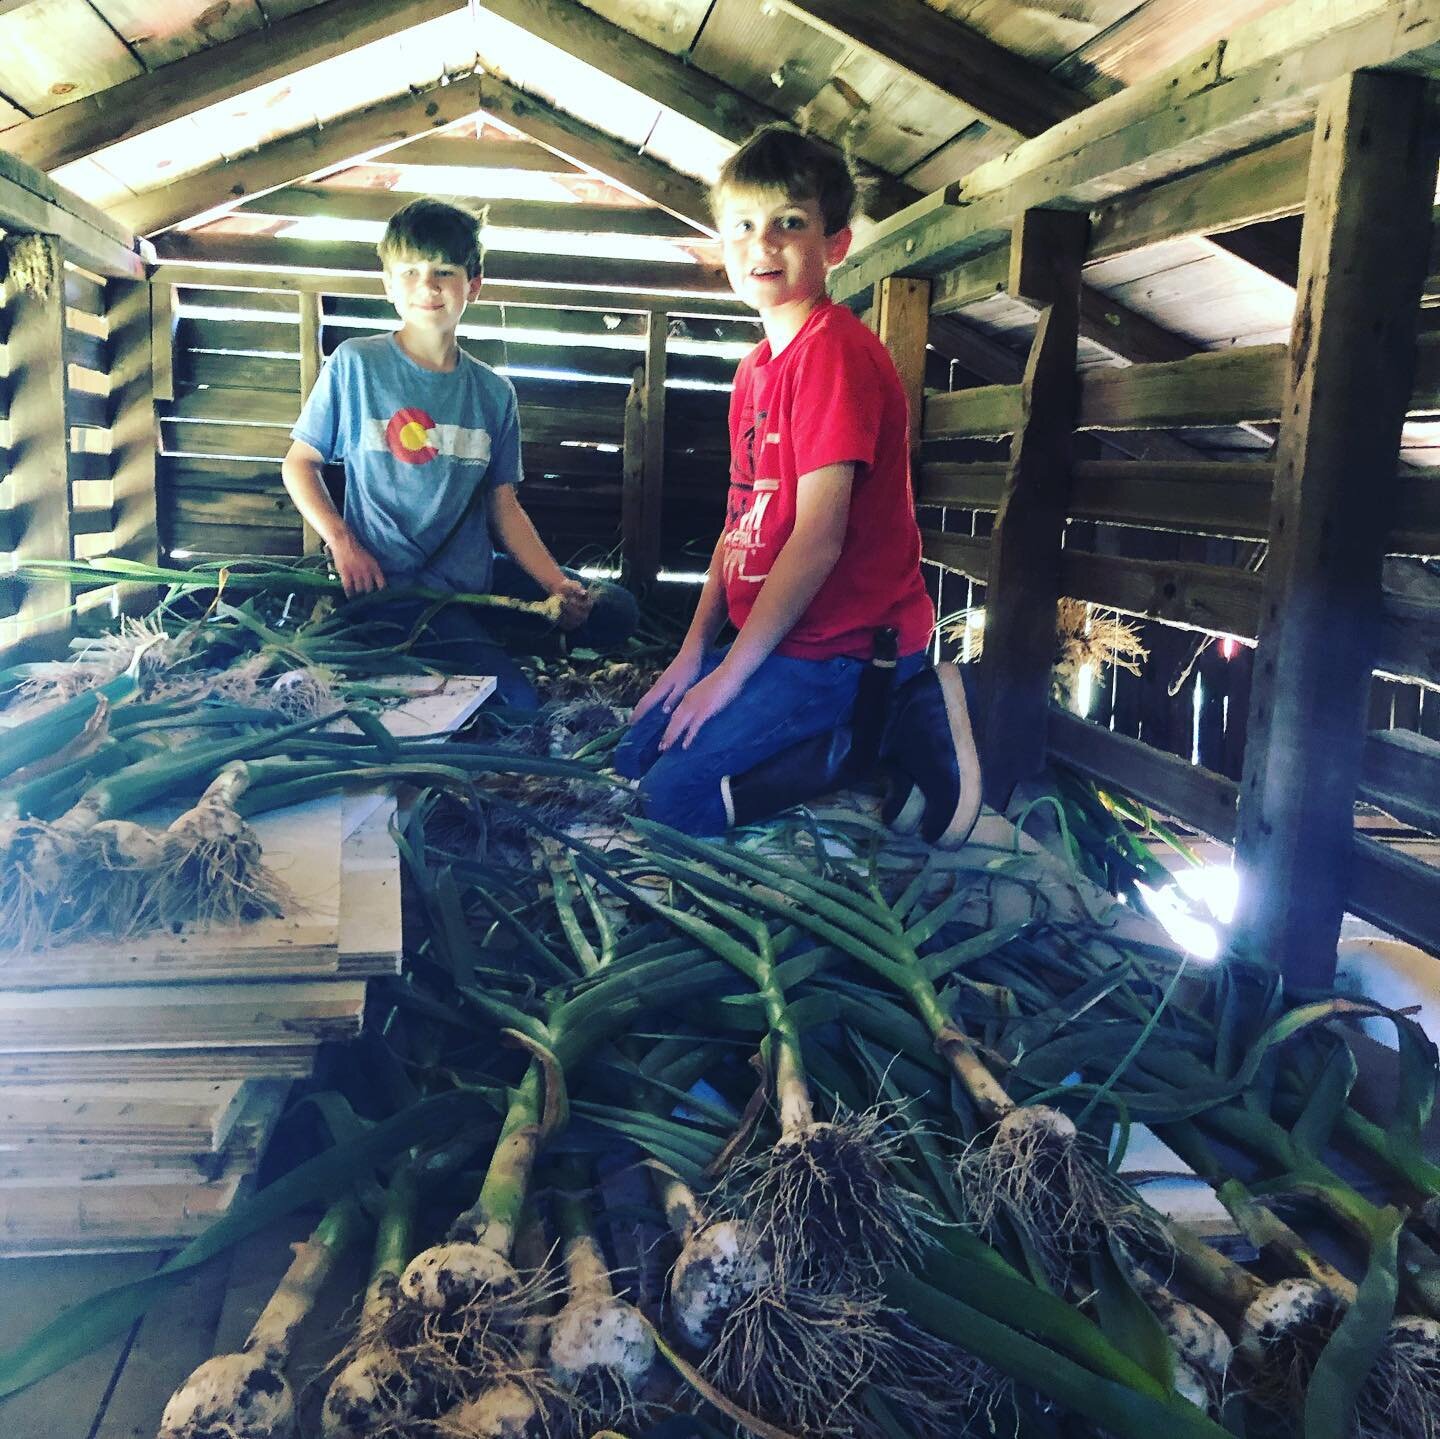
[429, 294]
[776, 250]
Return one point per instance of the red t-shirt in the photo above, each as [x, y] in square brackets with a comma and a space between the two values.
[830, 397]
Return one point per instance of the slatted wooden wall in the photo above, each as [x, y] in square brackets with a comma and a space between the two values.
[237, 385]
[79, 437]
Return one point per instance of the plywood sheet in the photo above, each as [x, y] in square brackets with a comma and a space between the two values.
[178, 1016]
[185, 1116]
[289, 1060]
[57, 52]
[301, 844]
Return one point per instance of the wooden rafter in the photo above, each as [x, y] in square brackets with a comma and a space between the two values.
[502, 267]
[909, 35]
[643, 175]
[1258, 85]
[360, 134]
[31, 202]
[645, 67]
[211, 76]
[355, 202]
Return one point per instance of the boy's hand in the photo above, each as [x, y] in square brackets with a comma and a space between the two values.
[702, 702]
[358, 569]
[576, 602]
[666, 692]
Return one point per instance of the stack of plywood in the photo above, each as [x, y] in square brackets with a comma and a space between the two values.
[140, 1079]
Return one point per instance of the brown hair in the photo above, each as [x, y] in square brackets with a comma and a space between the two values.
[433, 230]
[780, 157]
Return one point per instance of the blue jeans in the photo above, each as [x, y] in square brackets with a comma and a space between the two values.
[466, 639]
[786, 700]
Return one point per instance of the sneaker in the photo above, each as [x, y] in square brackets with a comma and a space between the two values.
[935, 767]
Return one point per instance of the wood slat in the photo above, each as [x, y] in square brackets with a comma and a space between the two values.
[501, 266]
[90, 352]
[82, 291]
[1395, 891]
[206, 539]
[269, 336]
[1208, 389]
[237, 372]
[89, 465]
[92, 520]
[1265, 184]
[1401, 774]
[234, 507]
[232, 440]
[351, 202]
[468, 152]
[1164, 781]
[270, 407]
[986, 410]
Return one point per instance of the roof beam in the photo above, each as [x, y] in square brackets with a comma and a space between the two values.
[651, 179]
[665, 78]
[502, 267]
[471, 153]
[210, 275]
[360, 134]
[1259, 84]
[31, 203]
[210, 76]
[909, 35]
[647, 68]
[356, 202]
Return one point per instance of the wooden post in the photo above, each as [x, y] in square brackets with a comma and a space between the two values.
[1351, 365]
[632, 483]
[134, 430]
[1023, 582]
[312, 356]
[39, 482]
[645, 461]
[903, 325]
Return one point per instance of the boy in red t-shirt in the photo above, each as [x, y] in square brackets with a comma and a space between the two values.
[818, 566]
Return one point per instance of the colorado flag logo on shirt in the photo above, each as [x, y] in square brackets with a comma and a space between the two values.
[415, 439]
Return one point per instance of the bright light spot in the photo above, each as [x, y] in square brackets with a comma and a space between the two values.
[598, 572]
[681, 577]
[1195, 906]
[1216, 886]
[1084, 689]
[1229, 647]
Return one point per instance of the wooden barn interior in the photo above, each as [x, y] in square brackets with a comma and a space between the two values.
[1160, 282]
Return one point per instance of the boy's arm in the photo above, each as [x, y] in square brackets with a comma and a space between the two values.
[822, 512]
[516, 532]
[358, 569]
[705, 624]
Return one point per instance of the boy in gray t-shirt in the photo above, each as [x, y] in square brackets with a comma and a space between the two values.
[430, 441]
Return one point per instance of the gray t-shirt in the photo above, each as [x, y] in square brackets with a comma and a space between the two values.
[416, 445]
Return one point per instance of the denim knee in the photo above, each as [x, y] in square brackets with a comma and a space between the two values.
[689, 803]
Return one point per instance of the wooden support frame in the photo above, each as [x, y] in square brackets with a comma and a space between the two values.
[1256, 85]
[902, 323]
[210, 76]
[1023, 579]
[134, 431]
[1003, 88]
[504, 270]
[368, 131]
[32, 203]
[642, 489]
[39, 482]
[312, 357]
[1363, 259]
